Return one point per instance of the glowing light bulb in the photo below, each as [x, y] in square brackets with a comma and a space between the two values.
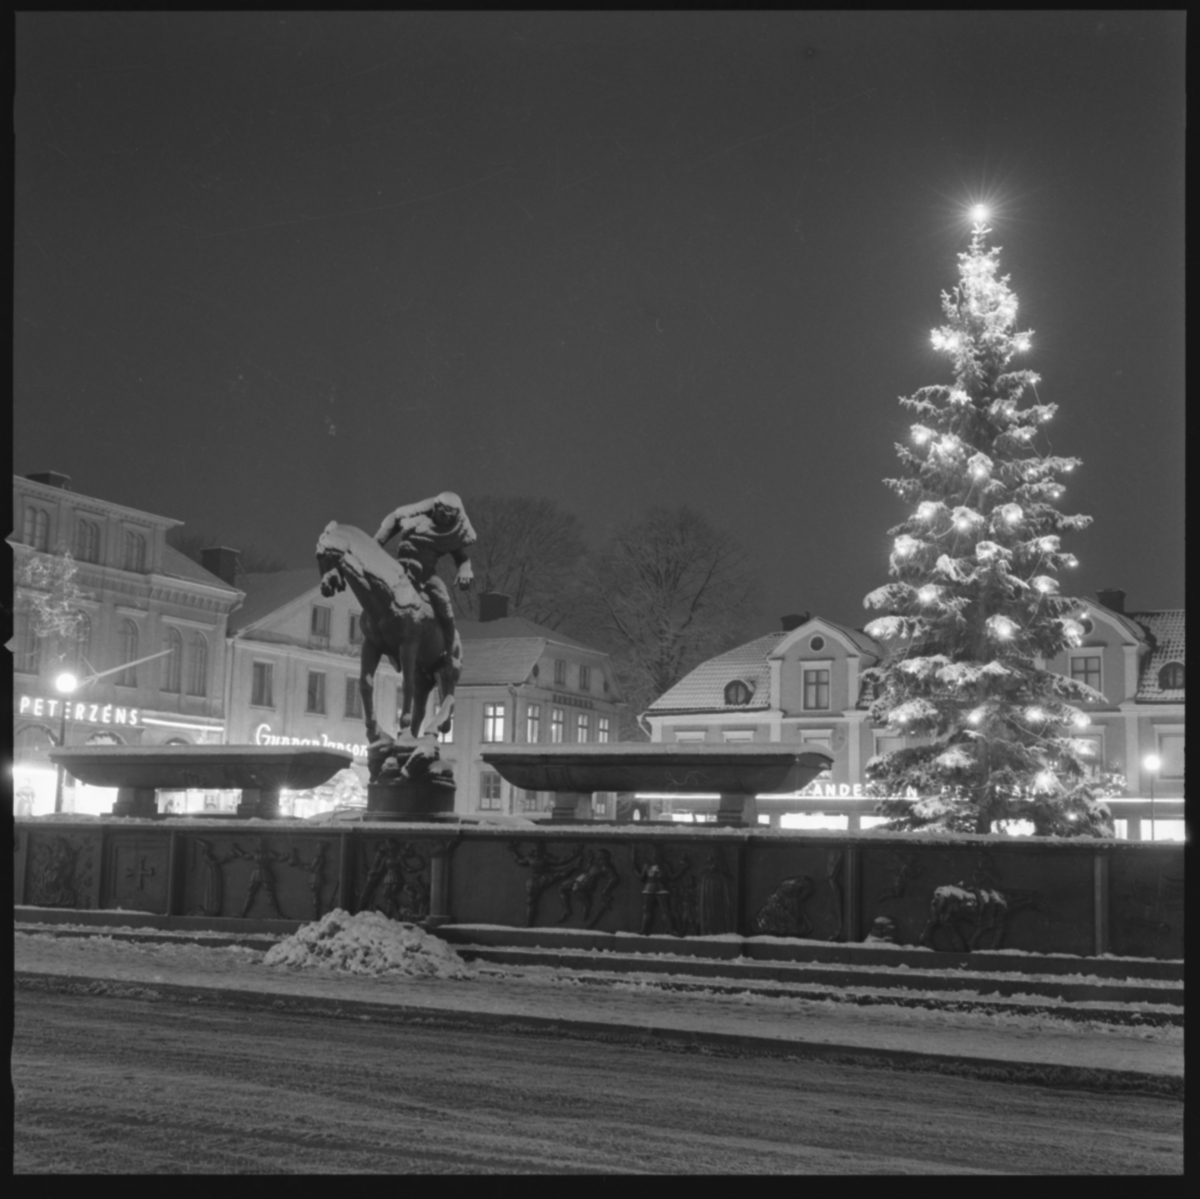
[920, 435]
[979, 213]
[1001, 627]
[1044, 584]
[927, 594]
[1048, 544]
[1021, 342]
[927, 511]
[958, 396]
[975, 717]
[905, 545]
[1035, 714]
[1070, 560]
[1081, 720]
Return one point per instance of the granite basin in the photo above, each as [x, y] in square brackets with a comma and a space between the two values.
[215, 767]
[667, 768]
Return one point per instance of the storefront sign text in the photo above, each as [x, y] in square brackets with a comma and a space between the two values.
[31, 705]
[264, 736]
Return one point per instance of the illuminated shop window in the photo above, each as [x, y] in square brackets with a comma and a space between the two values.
[197, 664]
[533, 723]
[493, 722]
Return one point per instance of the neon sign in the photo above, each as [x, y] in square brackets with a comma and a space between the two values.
[264, 736]
[36, 705]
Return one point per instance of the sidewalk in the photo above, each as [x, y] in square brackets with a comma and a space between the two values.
[1031, 1048]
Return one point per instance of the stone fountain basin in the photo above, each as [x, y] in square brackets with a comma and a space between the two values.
[650, 766]
[214, 767]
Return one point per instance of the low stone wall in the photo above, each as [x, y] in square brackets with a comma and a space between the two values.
[953, 894]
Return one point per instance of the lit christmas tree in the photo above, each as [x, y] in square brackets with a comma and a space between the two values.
[974, 604]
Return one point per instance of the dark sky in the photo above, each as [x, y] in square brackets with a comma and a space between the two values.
[273, 270]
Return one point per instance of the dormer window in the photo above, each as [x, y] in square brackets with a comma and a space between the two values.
[1170, 678]
[738, 693]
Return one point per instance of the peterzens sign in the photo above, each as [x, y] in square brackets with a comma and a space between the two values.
[35, 705]
[264, 736]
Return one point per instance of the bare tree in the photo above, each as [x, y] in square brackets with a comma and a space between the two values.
[529, 549]
[50, 598]
[663, 594]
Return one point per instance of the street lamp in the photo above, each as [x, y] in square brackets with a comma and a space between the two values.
[66, 684]
[1153, 764]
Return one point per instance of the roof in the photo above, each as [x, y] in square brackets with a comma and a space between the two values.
[871, 646]
[516, 626]
[180, 566]
[704, 688]
[1167, 638]
[500, 660]
[267, 593]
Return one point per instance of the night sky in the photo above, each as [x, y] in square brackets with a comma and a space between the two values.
[276, 269]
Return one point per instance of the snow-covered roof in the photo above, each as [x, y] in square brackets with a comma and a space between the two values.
[1166, 632]
[703, 689]
[177, 565]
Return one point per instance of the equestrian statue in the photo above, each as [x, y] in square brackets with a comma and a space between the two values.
[406, 614]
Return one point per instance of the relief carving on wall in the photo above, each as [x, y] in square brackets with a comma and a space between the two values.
[783, 914]
[397, 883]
[59, 873]
[966, 916]
[545, 870]
[1145, 905]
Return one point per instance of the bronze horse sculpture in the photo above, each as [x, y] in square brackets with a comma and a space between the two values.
[397, 623]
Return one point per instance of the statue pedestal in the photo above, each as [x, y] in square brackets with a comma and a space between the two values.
[409, 801]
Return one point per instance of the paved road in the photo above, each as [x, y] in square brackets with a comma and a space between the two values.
[125, 1085]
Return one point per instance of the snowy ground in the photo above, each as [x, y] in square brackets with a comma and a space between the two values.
[365, 959]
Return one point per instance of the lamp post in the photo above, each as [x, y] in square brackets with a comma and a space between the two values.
[1153, 764]
[65, 684]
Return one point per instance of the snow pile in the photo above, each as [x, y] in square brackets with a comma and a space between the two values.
[368, 943]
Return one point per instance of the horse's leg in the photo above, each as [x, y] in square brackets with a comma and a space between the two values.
[408, 672]
[448, 676]
[368, 662]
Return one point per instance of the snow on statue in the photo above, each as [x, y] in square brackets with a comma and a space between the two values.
[974, 600]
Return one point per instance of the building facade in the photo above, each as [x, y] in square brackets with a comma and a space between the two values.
[150, 653]
[293, 675]
[803, 685]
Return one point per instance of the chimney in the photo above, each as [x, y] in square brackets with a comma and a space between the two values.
[1112, 598]
[493, 606]
[221, 561]
[52, 479]
[795, 621]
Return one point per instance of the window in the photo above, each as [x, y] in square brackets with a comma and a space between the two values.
[1090, 748]
[585, 678]
[603, 803]
[816, 688]
[530, 801]
[172, 664]
[1170, 749]
[353, 697]
[81, 647]
[493, 722]
[583, 727]
[1086, 669]
[602, 729]
[29, 659]
[1170, 678]
[128, 634]
[322, 619]
[316, 692]
[556, 725]
[820, 740]
[87, 541]
[135, 551]
[261, 685]
[489, 791]
[887, 744]
[689, 736]
[197, 664]
[560, 672]
[356, 633]
[533, 723]
[37, 528]
[737, 736]
[816, 643]
[738, 692]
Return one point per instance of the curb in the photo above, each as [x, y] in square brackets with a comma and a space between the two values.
[679, 1040]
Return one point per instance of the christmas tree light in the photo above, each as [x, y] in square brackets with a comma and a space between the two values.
[974, 602]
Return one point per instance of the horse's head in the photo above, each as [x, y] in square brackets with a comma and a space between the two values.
[331, 549]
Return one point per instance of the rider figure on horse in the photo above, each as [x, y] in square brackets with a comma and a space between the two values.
[429, 529]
